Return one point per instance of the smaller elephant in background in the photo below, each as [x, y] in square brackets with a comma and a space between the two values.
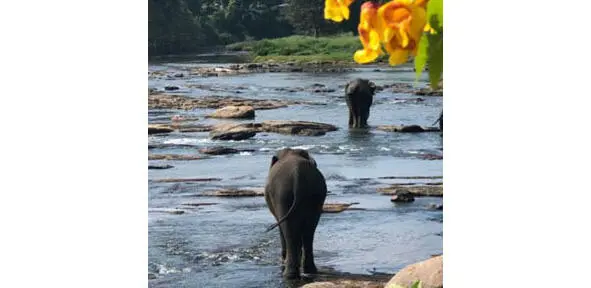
[440, 120]
[359, 95]
[295, 194]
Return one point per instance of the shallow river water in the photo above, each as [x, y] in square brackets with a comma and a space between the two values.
[225, 245]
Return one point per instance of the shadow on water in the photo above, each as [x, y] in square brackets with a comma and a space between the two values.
[360, 136]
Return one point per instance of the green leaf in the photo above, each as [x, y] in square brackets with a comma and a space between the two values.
[435, 61]
[417, 284]
[421, 58]
[435, 8]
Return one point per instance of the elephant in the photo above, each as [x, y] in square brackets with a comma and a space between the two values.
[440, 120]
[295, 194]
[359, 95]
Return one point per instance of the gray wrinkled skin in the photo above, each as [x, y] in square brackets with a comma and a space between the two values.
[295, 193]
[359, 95]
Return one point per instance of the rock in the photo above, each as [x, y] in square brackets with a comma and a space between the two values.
[337, 207]
[415, 190]
[297, 127]
[173, 157]
[431, 157]
[159, 129]
[199, 204]
[151, 276]
[242, 112]
[407, 128]
[179, 75]
[345, 284]
[234, 193]
[176, 180]
[402, 196]
[435, 207]
[195, 128]
[178, 102]
[160, 167]
[232, 131]
[170, 211]
[429, 92]
[171, 88]
[429, 272]
[219, 150]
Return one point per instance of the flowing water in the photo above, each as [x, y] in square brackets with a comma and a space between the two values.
[224, 245]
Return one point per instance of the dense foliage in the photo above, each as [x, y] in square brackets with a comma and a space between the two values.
[184, 26]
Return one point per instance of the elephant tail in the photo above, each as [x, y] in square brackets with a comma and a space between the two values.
[293, 205]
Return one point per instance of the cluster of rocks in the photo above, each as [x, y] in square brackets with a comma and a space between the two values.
[241, 131]
[314, 88]
[177, 102]
[407, 128]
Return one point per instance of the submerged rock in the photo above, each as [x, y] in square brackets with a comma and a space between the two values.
[407, 128]
[402, 196]
[171, 88]
[160, 166]
[435, 207]
[174, 157]
[297, 127]
[242, 112]
[220, 150]
[429, 272]
[415, 190]
[176, 180]
[235, 193]
[429, 92]
[338, 207]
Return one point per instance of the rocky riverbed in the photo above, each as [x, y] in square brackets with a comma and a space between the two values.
[206, 212]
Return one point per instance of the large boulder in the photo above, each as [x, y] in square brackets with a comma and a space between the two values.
[297, 127]
[242, 112]
[345, 284]
[429, 272]
[407, 128]
[233, 131]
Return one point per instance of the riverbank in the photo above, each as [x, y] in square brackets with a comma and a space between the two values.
[302, 49]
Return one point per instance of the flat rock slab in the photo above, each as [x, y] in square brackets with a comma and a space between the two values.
[407, 128]
[235, 193]
[238, 112]
[159, 129]
[169, 211]
[429, 272]
[219, 150]
[304, 128]
[174, 157]
[166, 101]
[233, 131]
[177, 180]
[415, 190]
[337, 207]
[429, 92]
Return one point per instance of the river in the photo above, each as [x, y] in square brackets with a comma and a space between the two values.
[224, 245]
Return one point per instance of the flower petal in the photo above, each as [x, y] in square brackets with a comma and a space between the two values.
[365, 56]
[398, 56]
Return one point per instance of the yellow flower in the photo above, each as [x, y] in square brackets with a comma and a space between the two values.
[337, 10]
[370, 33]
[404, 22]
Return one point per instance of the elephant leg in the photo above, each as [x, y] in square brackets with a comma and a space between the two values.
[293, 241]
[308, 238]
[350, 117]
[283, 249]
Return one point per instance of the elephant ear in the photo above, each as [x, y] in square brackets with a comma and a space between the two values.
[372, 86]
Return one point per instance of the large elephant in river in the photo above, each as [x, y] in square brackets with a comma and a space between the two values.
[295, 193]
[359, 95]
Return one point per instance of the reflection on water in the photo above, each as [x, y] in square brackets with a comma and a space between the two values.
[224, 245]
